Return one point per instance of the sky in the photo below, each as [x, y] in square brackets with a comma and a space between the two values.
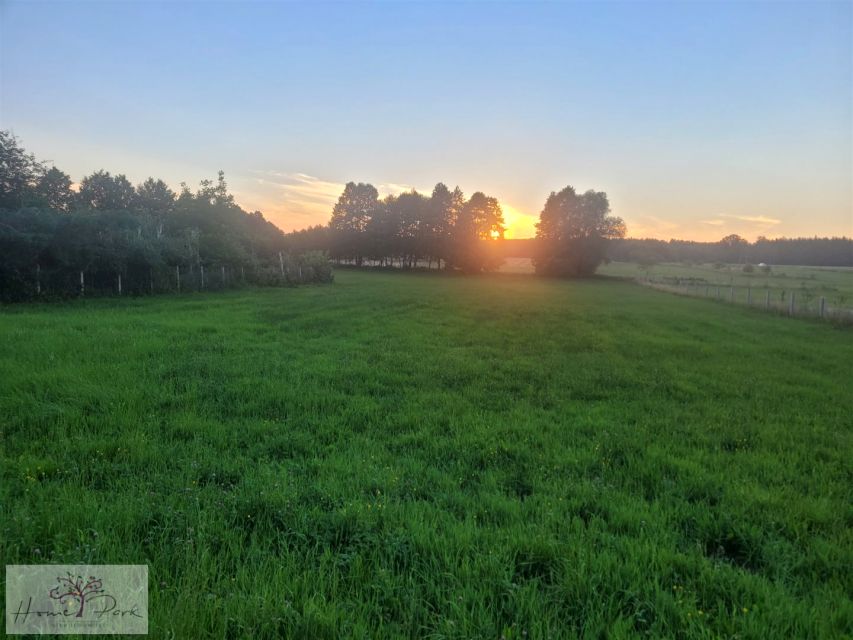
[698, 119]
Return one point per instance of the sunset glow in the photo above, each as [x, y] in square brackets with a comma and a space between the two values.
[518, 224]
[579, 105]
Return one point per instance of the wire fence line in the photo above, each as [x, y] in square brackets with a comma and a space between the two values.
[43, 282]
[793, 302]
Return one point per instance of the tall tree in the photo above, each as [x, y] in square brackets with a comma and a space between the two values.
[412, 210]
[734, 248]
[383, 231]
[572, 232]
[19, 173]
[354, 208]
[442, 215]
[104, 192]
[53, 190]
[155, 199]
[478, 226]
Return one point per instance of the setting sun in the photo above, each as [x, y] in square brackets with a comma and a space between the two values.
[518, 224]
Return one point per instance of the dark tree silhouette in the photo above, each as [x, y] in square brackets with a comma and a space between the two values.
[478, 226]
[104, 192]
[413, 230]
[354, 209]
[19, 173]
[572, 232]
[53, 190]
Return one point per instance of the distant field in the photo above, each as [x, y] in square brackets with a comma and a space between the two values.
[808, 283]
[418, 455]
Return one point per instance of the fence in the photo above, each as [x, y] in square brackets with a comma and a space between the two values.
[790, 302]
[45, 283]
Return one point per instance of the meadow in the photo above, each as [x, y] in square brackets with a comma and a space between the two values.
[428, 456]
[808, 284]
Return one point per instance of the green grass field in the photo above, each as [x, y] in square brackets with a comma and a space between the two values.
[808, 284]
[422, 456]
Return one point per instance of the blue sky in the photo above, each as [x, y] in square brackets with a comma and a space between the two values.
[698, 119]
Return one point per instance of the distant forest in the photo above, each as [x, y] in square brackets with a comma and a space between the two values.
[109, 236]
[816, 252]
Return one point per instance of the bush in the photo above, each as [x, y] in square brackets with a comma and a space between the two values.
[748, 268]
[315, 267]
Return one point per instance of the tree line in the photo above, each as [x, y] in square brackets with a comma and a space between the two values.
[447, 231]
[442, 230]
[109, 236]
[817, 252]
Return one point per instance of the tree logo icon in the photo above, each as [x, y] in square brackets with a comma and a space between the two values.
[76, 589]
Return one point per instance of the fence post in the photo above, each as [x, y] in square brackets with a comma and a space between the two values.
[223, 276]
[718, 293]
[791, 305]
[731, 294]
[178, 276]
[822, 306]
[281, 263]
[767, 301]
[242, 273]
[748, 296]
[707, 290]
[38, 279]
[151, 280]
[82, 284]
[119, 283]
[201, 266]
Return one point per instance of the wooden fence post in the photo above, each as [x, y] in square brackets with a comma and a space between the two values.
[82, 284]
[223, 275]
[38, 279]
[178, 276]
[281, 263]
[791, 305]
[242, 273]
[119, 283]
[822, 306]
[151, 280]
[201, 266]
[748, 296]
[731, 294]
[767, 301]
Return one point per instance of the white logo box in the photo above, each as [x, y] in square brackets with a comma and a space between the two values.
[83, 599]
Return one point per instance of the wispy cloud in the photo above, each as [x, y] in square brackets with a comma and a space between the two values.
[302, 190]
[715, 223]
[755, 219]
[393, 188]
[290, 200]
